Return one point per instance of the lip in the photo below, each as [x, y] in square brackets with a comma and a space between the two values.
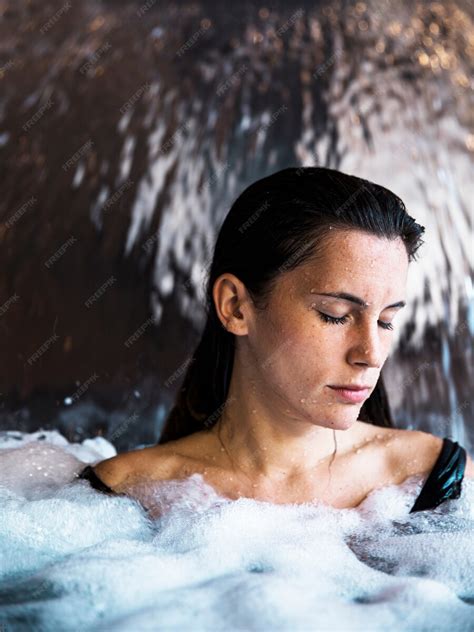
[351, 393]
[351, 387]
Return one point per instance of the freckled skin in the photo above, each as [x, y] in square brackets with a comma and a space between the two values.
[319, 353]
[286, 356]
[284, 435]
[276, 436]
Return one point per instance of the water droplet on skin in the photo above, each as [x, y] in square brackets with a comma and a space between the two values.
[302, 401]
[222, 450]
[358, 450]
[254, 410]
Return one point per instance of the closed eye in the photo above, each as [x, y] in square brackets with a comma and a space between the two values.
[340, 321]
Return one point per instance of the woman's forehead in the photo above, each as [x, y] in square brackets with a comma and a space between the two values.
[351, 251]
[370, 267]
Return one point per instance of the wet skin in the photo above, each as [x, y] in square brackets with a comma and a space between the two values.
[277, 435]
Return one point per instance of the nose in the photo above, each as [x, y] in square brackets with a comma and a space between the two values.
[367, 347]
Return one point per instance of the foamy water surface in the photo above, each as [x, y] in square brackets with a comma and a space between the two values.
[72, 558]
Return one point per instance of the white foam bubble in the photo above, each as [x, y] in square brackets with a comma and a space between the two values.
[73, 558]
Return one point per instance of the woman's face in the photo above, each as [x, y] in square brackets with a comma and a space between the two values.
[305, 341]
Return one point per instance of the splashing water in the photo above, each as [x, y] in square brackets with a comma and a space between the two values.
[73, 558]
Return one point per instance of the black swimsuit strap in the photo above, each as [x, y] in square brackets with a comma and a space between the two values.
[445, 479]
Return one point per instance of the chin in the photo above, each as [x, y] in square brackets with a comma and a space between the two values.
[345, 425]
[337, 424]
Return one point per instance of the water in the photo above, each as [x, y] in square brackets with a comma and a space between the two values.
[75, 559]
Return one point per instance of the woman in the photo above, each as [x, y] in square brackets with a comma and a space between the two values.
[283, 399]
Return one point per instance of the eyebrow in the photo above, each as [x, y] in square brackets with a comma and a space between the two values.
[358, 301]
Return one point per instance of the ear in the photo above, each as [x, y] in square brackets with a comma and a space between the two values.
[233, 304]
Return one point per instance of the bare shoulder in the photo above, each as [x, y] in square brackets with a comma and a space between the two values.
[157, 462]
[171, 460]
[413, 452]
[416, 452]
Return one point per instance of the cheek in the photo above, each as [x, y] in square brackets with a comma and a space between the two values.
[301, 362]
[296, 352]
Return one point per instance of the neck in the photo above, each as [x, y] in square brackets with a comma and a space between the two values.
[264, 438]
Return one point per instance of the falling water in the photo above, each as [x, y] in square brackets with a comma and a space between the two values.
[126, 131]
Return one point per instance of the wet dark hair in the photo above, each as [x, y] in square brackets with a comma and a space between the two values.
[275, 225]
